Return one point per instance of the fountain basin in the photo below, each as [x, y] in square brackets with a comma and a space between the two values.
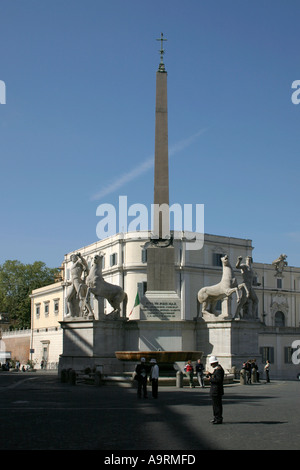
[161, 356]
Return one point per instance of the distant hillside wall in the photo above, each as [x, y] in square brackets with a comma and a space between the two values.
[17, 342]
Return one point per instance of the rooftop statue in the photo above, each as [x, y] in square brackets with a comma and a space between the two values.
[280, 263]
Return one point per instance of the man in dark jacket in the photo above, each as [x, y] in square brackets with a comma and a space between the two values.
[142, 371]
[216, 389]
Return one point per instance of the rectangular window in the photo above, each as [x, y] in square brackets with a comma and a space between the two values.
[217, 259]
[267, 353]
[288, 352]
[38, 309]
[46, 308]
[279, 283]
[56, 307]
[144, 255]
[113, 259]
[141, 288]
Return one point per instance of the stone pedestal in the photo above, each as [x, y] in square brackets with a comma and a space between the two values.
[91, 343]
[232, 341]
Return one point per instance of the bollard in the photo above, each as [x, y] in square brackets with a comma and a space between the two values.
[179, 379]
[98, 378]
[72, 377]
[64, 376]
[254, 376]
[243, 377]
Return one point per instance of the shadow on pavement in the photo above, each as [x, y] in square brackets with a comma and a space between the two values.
[255, 422]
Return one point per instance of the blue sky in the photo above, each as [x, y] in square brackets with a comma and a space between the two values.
[80, 107]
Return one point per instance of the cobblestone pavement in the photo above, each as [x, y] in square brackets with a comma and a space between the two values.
[38, 412]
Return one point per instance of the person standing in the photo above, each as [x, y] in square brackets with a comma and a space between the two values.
[248, 371]
[267, 371]
[141, 376]
[189, 370]
[216, 389]
[154, 375]
[257, 371]
[199, 372]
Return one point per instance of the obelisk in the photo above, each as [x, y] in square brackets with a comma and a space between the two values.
[160, 255]
[161, 225]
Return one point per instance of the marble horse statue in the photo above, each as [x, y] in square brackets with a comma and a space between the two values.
[97, 286]
[209, 296]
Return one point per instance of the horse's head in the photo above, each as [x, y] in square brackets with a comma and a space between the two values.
[98, 259]
[225, 260]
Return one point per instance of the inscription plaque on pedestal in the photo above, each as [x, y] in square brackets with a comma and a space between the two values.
[160, 306]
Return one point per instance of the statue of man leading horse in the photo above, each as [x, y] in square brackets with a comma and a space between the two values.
[246, 297]
[85, 282]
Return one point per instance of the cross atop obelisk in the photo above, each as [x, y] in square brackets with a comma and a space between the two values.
[161, 67]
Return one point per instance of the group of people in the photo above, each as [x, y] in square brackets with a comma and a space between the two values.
[6, 366]
[215, 378]
[142, 372]
[199, 369]
[250, 366]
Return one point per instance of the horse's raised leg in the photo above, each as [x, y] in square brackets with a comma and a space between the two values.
[243, 285]
[237, 293]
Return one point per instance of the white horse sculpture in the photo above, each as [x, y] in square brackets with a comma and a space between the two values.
[100, 288]
[209, 296]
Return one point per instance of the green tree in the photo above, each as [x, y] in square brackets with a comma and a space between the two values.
[17, 280]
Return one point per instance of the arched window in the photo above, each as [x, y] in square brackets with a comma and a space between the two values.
[279, 319]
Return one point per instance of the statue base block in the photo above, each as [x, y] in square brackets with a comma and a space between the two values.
[233, 342]
[92, 343]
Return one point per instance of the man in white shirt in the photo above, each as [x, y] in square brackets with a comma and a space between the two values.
[154, 375]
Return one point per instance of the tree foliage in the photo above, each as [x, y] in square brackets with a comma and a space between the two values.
[17, 280]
